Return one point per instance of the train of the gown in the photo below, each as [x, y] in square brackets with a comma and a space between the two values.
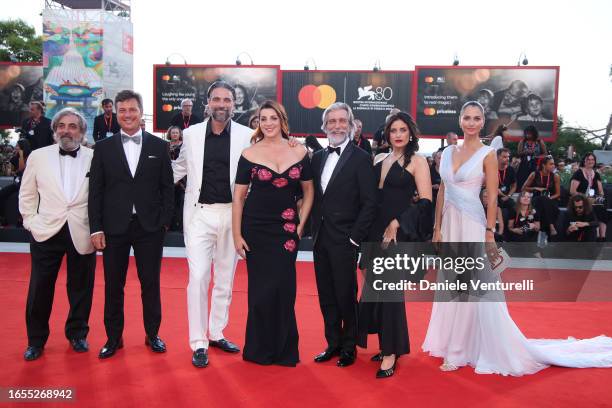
[484, 336]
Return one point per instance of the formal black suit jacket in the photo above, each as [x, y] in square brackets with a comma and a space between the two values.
[113, 191]
[43, 134]
[100, 128]
[364, 144]
[348, 207]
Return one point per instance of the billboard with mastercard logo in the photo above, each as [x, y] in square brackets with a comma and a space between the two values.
[306, 94]
[513, 96]
[173, 83]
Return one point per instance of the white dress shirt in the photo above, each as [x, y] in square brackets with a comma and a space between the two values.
[68, 172]
[132, 151]
[132, 154]
[330, 164]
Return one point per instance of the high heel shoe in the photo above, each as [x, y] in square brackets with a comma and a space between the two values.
[377, 357]
[388, 372]
[446, 366]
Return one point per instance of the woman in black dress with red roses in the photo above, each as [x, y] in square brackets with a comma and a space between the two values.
[267, 229]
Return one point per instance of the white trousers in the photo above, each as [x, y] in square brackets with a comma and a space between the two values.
[208, 240]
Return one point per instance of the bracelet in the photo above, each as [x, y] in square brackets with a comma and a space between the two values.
[490, 229]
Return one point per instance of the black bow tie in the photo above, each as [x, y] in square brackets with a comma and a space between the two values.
[71, 153]
[331, 150]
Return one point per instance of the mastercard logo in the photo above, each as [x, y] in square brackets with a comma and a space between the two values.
[429, 80]
[429, 111]
[312, 96]
[167, 108]
[165, 77]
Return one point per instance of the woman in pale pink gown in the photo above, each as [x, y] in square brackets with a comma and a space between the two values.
[481, 333]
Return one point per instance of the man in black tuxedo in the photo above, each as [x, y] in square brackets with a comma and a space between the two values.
[105, 125]
[344, 208]
[37, 130]
[131, 196]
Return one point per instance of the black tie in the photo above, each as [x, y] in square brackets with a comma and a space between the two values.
[71, 153]
[331, 150]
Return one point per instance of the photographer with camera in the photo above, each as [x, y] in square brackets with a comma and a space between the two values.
[523, 220]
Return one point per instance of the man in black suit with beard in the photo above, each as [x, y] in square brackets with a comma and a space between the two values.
[131, 198]
[344, 209]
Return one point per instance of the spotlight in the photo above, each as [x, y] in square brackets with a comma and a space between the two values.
[310, 62]
[376, 67]
[455, 60]
[239, 61]
[525, 61]
[178, 55]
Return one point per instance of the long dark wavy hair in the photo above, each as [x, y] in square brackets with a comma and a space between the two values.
[24, 145]
[282, 115]
[413, 139]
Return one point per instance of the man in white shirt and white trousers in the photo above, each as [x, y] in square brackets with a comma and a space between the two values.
[209, 158]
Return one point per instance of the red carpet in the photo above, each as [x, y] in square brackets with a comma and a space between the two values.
[137, 377]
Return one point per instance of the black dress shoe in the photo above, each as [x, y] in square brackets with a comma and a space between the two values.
[156, 344]
[110, 348]
[347, 358]
[200, 358]
[377, 357]
[32, 353]
[224, 345]
[388, 372]
[326, 355]
[79, 345]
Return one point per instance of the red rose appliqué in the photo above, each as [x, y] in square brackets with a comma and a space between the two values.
[290, 245]
[280, 182]
[294, 173]
[289, 227]
[288, 214]
[253, 172]
[264, 174]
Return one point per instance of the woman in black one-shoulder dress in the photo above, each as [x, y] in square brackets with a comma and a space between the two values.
[401, 219]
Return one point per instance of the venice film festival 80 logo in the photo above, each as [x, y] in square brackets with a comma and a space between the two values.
[370, 98]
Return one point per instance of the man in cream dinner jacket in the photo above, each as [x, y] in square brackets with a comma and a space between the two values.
[53, 203]
[209, 158]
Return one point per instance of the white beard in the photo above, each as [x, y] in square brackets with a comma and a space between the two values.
[336, 140]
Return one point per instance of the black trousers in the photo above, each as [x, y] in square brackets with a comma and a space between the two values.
[335, 271]
[46, 261]
[148, 247]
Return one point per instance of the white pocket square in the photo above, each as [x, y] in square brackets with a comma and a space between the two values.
[152, 157]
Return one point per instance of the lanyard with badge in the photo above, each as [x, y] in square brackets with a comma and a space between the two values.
[590, 178]
[33, 124]
[502, 179]
[109, 125]
[545, 193]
